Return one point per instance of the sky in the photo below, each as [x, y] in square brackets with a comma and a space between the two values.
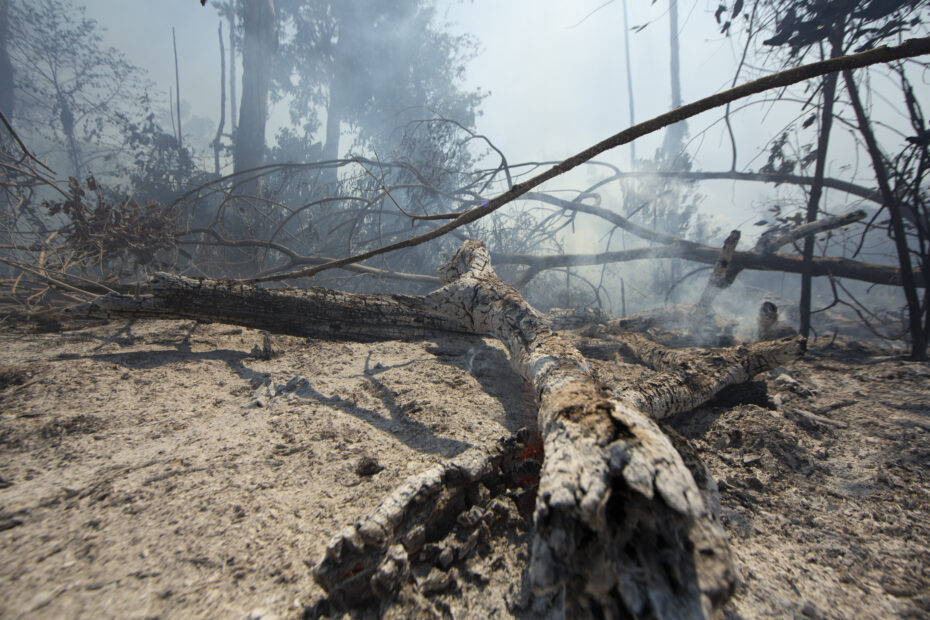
[555, 70]
[557, 80]
[557, 83]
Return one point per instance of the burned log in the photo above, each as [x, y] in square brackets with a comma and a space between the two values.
[311, 312]
[687, 379]
[433, 520]
[620, 526]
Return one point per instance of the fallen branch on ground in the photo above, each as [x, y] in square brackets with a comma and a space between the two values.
[689, 250]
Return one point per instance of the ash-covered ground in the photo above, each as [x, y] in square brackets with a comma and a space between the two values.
[164, 469]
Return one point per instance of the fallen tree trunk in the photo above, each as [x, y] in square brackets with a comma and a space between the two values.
[620, 525]
[313, 312]
[762, 258]
[788, 263]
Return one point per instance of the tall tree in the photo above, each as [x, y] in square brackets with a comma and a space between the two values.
[674, 135]
[258, 49]
[6, 67]
[370, 67]
[813, 202]
[629, 79]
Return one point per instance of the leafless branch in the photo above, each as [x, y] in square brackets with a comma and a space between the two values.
[912, 47]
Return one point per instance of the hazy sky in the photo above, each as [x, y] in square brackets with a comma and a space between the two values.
[557, 83]
[555, 70]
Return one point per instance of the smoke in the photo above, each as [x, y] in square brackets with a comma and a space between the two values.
[556, 74]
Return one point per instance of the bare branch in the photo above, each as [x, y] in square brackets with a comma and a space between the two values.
[911, 47]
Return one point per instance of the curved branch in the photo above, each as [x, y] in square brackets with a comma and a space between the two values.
[299, 259]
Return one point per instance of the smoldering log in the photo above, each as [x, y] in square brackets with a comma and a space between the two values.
[419, 526]
[687, 379]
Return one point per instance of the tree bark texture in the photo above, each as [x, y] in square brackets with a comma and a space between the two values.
[313, 312]
[687, 379]
[621, 527]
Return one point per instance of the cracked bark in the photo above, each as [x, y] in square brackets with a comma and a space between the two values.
[620, 525]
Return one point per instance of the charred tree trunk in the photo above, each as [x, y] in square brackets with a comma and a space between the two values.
[66, 118]
[259, 41]
[908, 281]
[813, 202]
[621, 526]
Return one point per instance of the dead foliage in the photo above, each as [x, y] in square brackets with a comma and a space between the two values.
[104, 230]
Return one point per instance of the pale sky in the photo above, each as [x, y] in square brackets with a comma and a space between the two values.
[557, 79]
[556, 85]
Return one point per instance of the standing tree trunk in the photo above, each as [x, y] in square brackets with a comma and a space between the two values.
[6, 67]
[258, 48]
[217, 141]
[233, 113]
[629, 82]
[918, 334]
[674, 135]
[826, 123]
[333, 127]
[260, 40]
[177, 89]
[66, 118]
